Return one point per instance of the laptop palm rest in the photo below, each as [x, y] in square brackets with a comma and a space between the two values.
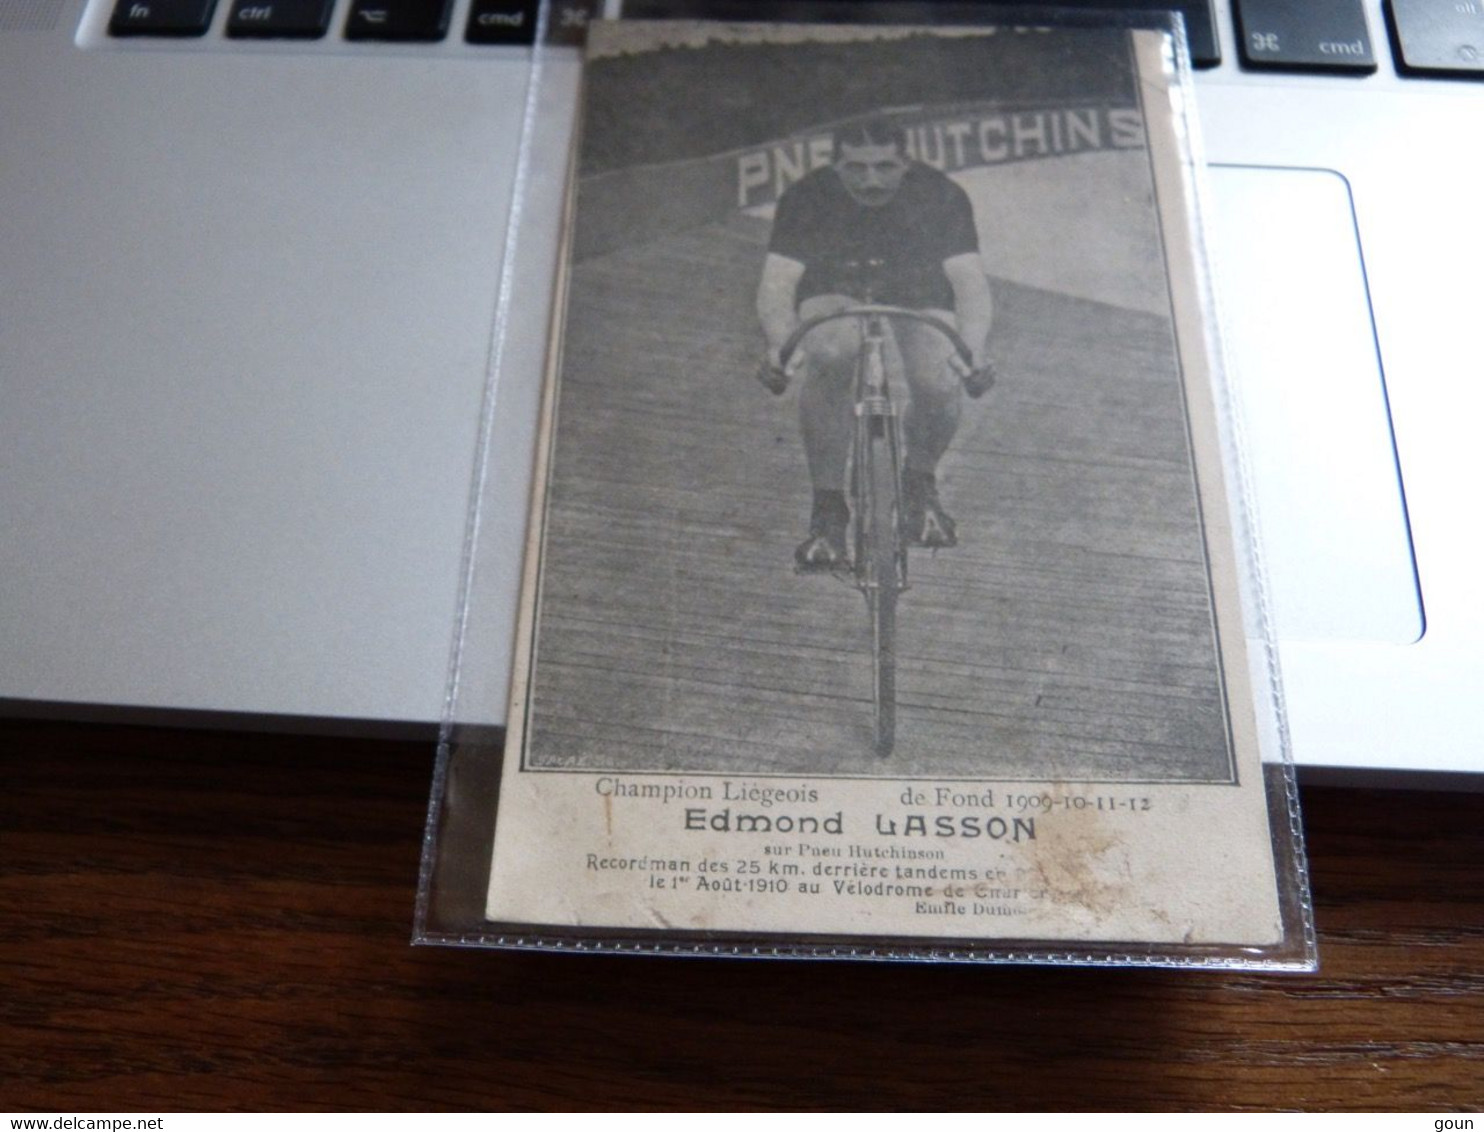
[1308, 381]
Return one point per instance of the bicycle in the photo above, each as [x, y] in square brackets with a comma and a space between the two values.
[879, 566]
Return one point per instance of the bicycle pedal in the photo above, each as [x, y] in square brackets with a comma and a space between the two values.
[934, 536]
[817, 556]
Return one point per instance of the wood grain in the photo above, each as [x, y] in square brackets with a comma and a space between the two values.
[197, 919]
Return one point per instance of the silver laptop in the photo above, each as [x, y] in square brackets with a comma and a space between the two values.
[250, 263]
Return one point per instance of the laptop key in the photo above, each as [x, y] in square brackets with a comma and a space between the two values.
[161, 17]
[1317, 35]
[1438, 38]
[279, 19]
[401, 20]
[501, 21]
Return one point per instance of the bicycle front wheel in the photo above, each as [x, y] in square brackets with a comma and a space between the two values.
[883, 558]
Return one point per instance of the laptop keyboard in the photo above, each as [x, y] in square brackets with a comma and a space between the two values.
[1427, 38]
[391, 21]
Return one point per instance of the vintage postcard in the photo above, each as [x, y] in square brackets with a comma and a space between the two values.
[881, 581]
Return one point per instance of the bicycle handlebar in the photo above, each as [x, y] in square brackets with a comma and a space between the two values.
[959, 347]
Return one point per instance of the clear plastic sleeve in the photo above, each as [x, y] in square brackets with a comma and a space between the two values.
[924, 285]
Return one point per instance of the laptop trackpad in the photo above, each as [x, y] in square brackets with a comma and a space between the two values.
[1303, 363]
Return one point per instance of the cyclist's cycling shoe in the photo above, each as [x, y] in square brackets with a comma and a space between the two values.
[824, 549]
[978, 382]
[924, 519]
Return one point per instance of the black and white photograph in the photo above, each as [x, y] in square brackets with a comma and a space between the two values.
[881, 575]
[783, 534]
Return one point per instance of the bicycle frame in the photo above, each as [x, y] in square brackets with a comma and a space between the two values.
[879, 569]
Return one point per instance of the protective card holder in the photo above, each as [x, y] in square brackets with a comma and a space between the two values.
[1024, 704]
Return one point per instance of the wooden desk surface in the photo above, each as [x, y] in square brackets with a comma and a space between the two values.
[194, 919]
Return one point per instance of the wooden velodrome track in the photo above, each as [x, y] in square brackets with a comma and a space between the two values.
[1068, 635]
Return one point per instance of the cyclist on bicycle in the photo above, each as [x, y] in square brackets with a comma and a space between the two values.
[874, 226]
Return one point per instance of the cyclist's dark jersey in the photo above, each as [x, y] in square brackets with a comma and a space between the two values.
[820, 225]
